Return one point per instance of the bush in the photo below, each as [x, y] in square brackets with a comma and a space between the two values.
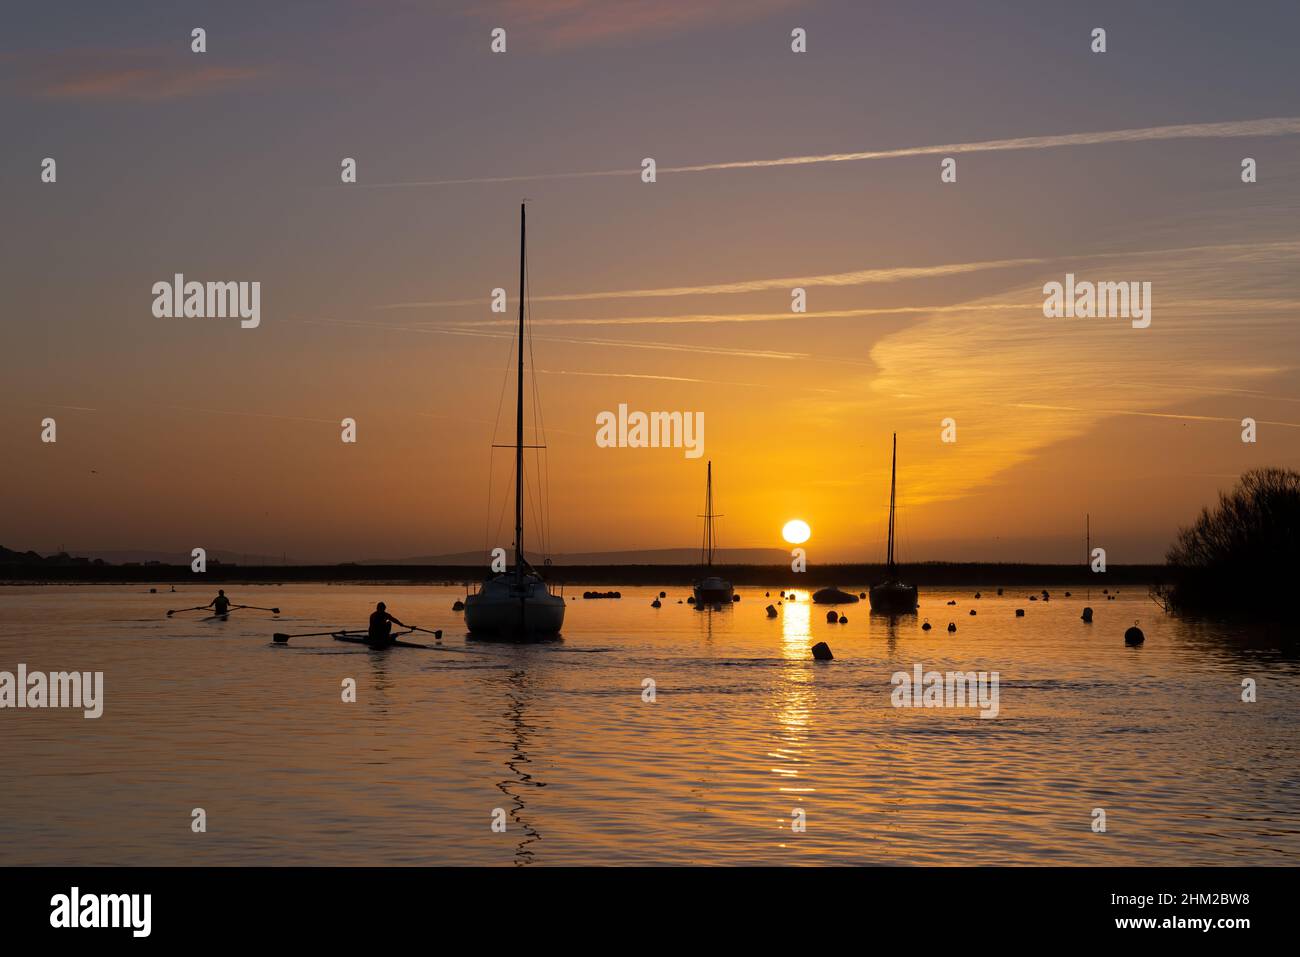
[1242, 558]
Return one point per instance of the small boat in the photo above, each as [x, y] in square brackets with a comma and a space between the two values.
[363, 638]
[833, 596]
[893, 596]
[710, 589]
[517, 604]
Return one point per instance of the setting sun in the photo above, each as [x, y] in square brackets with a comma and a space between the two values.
[796, 531]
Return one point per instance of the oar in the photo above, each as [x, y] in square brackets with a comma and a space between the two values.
[280, 637]
[275, 611]
[195, 608]
[437, 634]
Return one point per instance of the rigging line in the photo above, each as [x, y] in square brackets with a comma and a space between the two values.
[541, 460]
[532, 383]
[496, 427]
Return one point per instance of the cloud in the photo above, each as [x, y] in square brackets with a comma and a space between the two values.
[124, 75]
[1276, 126]
[1243, 253]
[857, 277]
[570, 340]
[574, 23]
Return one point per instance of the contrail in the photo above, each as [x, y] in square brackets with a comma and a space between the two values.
[569, 340]
[1152, 415]
[858, 277]
[1276, 126]
[658, 378]
[863, 277]
[254, 415]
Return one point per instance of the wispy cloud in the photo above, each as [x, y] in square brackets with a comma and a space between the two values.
[1181, 416]
[857, 277]
[568, 340]
[1242, 252]
[571, 23]
[121, 75]
[1276, 126]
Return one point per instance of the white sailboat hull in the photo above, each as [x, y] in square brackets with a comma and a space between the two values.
[506, 607]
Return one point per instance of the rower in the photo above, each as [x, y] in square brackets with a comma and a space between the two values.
[381, 625]
[219, 605]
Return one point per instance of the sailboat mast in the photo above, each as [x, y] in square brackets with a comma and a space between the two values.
[519, 407]
[1087, 539]
[708, 517]
[893, 474]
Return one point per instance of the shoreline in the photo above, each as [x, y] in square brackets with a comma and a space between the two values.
[936, 574]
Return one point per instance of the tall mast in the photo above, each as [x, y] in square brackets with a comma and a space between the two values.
[1087, 539]
[893, 473]
[708, 517]
[519, 409]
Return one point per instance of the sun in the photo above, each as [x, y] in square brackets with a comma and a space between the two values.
[796, 531]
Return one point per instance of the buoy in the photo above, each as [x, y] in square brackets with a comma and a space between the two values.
[1033, 598]
[663, 594]
[1020, 613]
[831, 617]
[926, 626]
[690, 600]
[1134, 635]
[822, 652]
[1067, 594]
[862, 594]
[679, 601]
[771, 611]
[952, 626]
[735, 598]
[458, 606]
[1105, 591]
[767, 594]
[656, 603]
[953, 602]
[1087, 615]
[977, 596]
[999, 591]
[843, 620]
[972, 611]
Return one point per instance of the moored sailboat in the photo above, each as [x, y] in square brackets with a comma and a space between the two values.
[710, 589]
[517, 603]
[893, 596]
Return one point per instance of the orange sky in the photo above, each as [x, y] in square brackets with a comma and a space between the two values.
[924, 298]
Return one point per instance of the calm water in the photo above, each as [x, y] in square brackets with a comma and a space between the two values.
[745, 729]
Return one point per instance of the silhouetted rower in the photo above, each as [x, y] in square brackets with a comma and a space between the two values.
[381, 626]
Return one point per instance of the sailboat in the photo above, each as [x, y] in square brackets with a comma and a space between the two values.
[893, 596]
[517, 603]
[710, 589]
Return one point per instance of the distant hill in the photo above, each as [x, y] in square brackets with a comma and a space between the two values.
[649, 556]
[10, 557]
[138, 557]
[652, 556]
